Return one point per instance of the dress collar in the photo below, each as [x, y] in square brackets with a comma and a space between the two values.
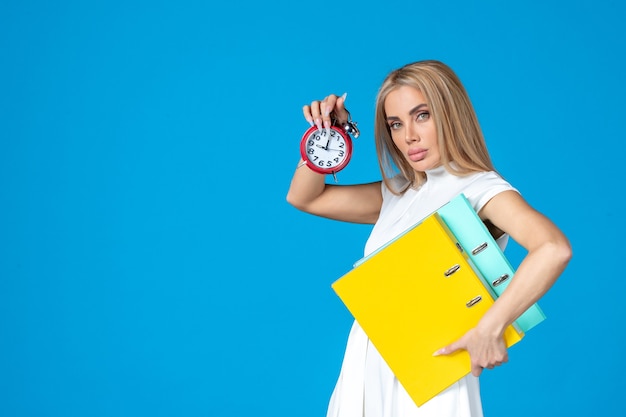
[436, 173]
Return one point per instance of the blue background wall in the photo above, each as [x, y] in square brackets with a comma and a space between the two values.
[149, 264]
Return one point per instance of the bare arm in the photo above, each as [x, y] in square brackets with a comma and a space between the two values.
[308, 190]
[549, 252]
[351, 203]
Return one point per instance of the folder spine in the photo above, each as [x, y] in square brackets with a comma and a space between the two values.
[484, 253]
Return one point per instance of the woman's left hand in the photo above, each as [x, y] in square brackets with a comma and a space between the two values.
[486, 351]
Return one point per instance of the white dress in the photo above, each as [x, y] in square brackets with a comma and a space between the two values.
[366, 386]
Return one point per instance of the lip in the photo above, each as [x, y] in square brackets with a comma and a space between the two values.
[417, 154]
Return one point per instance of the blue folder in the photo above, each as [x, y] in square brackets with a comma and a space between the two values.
[484, 252]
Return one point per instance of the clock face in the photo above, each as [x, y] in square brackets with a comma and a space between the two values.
[327, 150]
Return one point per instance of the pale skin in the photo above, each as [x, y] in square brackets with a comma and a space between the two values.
[413, 132]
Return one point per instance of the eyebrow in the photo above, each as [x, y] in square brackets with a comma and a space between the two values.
[411, 112]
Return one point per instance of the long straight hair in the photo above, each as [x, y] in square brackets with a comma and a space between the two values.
[460, 139]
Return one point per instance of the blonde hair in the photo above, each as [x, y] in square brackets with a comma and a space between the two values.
[459, 136]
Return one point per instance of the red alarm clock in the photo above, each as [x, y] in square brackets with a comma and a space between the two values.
[328, 150]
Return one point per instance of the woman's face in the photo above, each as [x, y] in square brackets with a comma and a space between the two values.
[412, 129]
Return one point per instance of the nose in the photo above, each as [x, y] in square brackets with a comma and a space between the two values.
[411, 134]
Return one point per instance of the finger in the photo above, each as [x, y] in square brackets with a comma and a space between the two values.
[306, 110]
[497, 363]
[442, 351]
[316, 113]
[327, 107]
[447, 350]
[340, 108]
[477, 369]
[492, 364]
[340, 113]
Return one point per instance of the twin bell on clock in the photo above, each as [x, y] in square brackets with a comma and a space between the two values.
[328, 150]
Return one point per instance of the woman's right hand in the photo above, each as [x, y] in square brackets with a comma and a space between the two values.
[308, 191]
[321, 113]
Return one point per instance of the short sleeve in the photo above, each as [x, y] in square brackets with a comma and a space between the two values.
[487, 186]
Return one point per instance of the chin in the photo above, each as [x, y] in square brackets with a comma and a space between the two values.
[424, 165]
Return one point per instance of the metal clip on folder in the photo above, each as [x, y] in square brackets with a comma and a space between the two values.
[485, 254]
[409, 312]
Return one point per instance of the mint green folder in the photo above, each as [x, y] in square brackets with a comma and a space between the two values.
[484, 252]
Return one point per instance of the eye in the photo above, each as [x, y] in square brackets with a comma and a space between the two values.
[422, 116]
[395, 125]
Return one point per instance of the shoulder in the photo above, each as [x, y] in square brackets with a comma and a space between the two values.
[484, 186]
[509, 212]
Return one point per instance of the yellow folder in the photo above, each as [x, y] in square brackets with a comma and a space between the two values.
[415, 295]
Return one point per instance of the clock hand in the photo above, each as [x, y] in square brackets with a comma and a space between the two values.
[327, 134]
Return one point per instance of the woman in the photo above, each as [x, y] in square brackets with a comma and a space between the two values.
[430, 149]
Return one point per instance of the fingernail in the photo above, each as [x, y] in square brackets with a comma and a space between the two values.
[438, 352]
[344, 96]
[318, 123]
[310, 122]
